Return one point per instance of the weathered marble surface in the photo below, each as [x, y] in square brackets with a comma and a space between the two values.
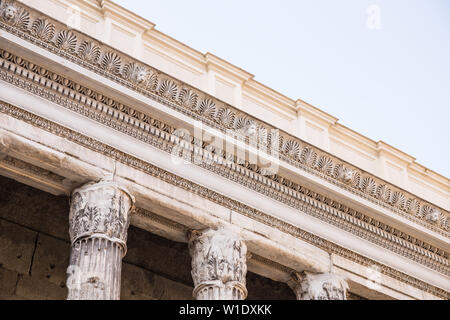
[219, 265]
[154, 267]
[99, 219]
[324, 286]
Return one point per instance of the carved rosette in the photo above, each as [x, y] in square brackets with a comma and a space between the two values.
[325, 286]
[98, 223]
[32, 25]
[219, 264]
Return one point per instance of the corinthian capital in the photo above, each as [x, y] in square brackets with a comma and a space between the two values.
[324, 286]
[218, 264]
[100, 209]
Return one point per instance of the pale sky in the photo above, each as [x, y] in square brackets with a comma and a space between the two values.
[390, 83]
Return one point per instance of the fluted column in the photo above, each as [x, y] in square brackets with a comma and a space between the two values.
[98, 224]
[219, 264]
[324, 286]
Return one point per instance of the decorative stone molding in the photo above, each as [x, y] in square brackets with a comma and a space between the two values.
[164, 137]
[98, 224]
[17, 17]
[247, 211]
[219, 264]
[52, 35]
[325, 286]
[31, 169]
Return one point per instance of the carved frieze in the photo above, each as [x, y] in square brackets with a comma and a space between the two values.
[79, 48]
[281, 189]
[252, 213]
[14, 16]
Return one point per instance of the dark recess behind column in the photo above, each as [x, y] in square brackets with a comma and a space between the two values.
[34, 253]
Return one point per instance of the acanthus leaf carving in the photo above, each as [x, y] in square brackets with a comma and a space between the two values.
[218, 260]
[100, 209]
[324, 286]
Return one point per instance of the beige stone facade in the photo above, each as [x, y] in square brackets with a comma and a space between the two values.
[236, 187]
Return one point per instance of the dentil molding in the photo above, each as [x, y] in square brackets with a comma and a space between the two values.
[52, 35]
[241, 208]
[62, 91]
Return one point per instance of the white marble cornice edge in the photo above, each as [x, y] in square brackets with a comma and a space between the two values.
[321, 243]
[314, 207]
[53, 42]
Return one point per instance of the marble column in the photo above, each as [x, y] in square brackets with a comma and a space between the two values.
[324, 286]
[219, 264]
[98, 224]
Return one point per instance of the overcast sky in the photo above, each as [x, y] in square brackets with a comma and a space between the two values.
[381, 67]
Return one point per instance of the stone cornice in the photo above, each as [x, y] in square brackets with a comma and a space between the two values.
[282, 103]
[365, 186]
[113, 65]
[362, 144]
[185, 59]
[160, 135]
[214, 62]
[303, 107]
[112, 9]
[215, 197]
[165, 89]
[196, 59]
[384, 148]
